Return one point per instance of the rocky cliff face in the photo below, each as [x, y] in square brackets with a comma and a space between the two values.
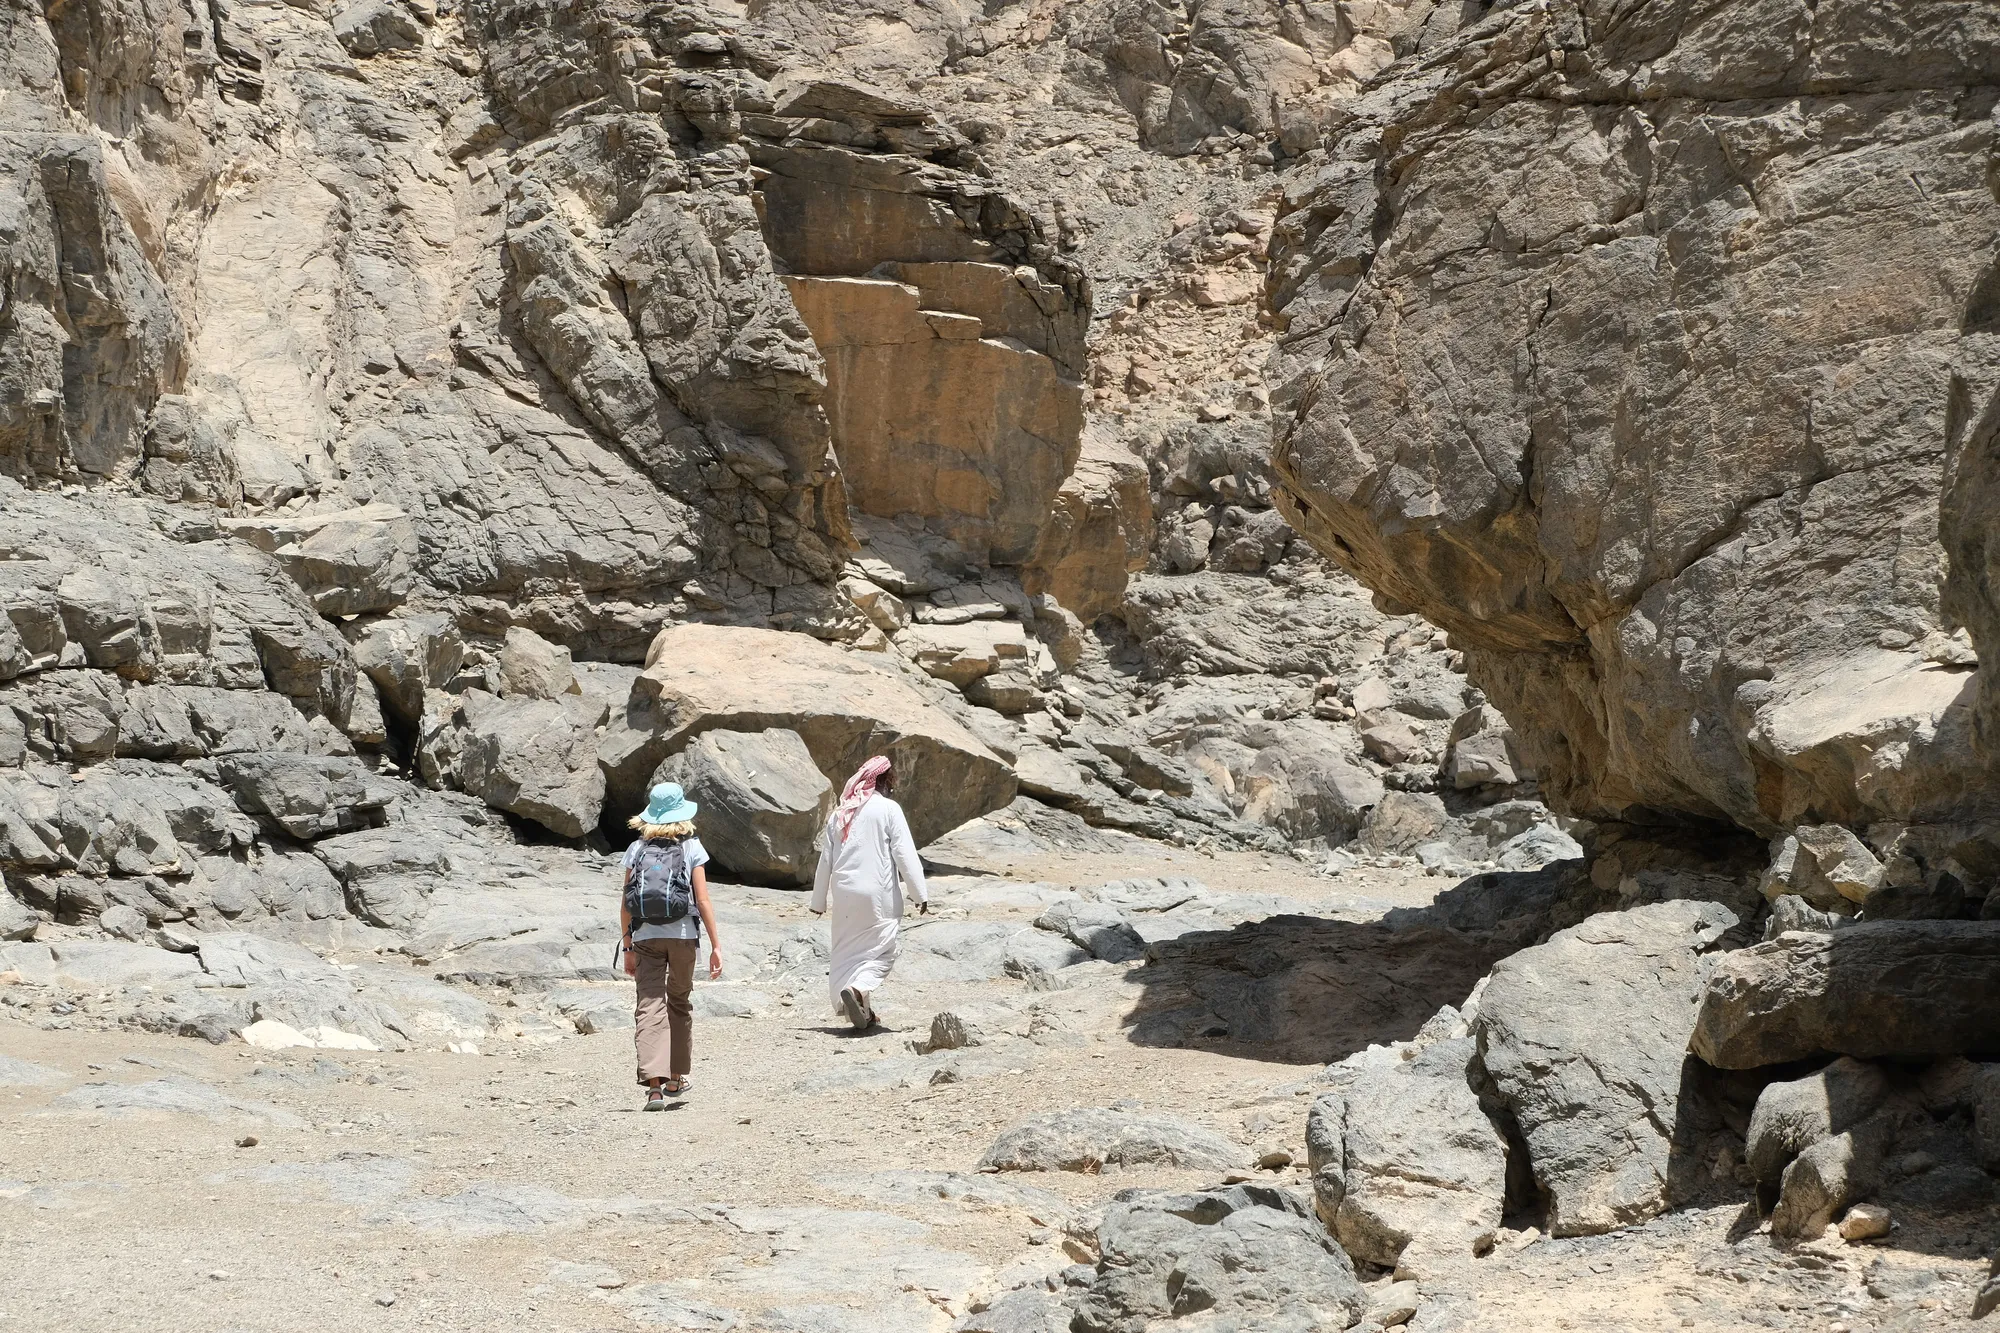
[379, 381]
[1649, 350]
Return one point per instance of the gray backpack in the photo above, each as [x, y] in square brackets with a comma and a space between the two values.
[661, 889]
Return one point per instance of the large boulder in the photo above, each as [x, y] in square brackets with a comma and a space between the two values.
[1306, 788]
[309, 796]
[1906, 989]
[533, 668]
[1792, 1115]
[966, 653]
[1408, 1171]
[536, 758]
[1243, 1257]
[1585, 1039]
[1685, 597]
[844, 706]
[348, 561]
[1402, 821]
[406, 656]
[763, 801]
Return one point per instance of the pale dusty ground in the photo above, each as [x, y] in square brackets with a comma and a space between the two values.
[521, 1188]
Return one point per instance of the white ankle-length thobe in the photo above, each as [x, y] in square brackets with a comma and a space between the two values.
[857, 885]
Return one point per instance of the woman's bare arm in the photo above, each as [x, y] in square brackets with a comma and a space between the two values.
[625, 927]
[702, 905]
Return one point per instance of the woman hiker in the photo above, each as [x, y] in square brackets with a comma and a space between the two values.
[865, 850]
[661, 915]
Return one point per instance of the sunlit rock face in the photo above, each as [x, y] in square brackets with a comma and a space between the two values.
[1638, 348]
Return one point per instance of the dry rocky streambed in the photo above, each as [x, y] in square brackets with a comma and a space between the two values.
[1424, 567]
[1147, 1108]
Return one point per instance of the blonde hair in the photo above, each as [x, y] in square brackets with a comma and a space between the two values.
[654, 832]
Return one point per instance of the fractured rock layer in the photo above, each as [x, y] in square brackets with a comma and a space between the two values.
[1640, 355]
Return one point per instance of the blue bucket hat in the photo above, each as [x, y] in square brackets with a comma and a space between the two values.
[669, 805]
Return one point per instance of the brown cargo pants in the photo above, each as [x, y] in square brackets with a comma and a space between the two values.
[664, 1019]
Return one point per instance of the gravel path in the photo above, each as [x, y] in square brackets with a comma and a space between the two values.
[815, 1180]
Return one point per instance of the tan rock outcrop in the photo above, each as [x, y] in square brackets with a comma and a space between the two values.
[1099, 534]
[931, 416]
[844, 706]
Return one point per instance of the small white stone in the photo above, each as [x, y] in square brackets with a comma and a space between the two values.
[268, 1034]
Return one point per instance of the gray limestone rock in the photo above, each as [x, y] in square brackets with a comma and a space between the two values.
[764, 802]
[1306, 788]
[1401, 820]
[18, 1073]
[1872, 989]
[1393, 1305]
[1791, 912]
[371, 27]
[1241, 1258]
[1585, 1039]
[348, 561]
[1408, 1171]
[308, 796]
[536, 758]
[594, 1010]
[388, 875]
[1023, 1310]
[1100, 928]
[1039, 953]
[1791, 1117]
[406, 656]
[18, 921]
[1539, 846]
[91, 965]
[1830, 865]
[176, 1094]
[1825, 1178]
[1095, 1137]
[124, 922]
[1482, 758]
[533, 668]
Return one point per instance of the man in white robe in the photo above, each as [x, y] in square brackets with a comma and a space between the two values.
[866, 860]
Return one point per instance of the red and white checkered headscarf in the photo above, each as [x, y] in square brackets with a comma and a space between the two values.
[857, 791]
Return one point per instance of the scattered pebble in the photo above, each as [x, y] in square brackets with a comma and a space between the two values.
[247, 1141]
[385, 1299]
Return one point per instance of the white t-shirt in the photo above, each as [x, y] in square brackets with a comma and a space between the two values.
[689, 926]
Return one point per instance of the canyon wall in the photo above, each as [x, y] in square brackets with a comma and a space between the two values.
[1650, 351]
